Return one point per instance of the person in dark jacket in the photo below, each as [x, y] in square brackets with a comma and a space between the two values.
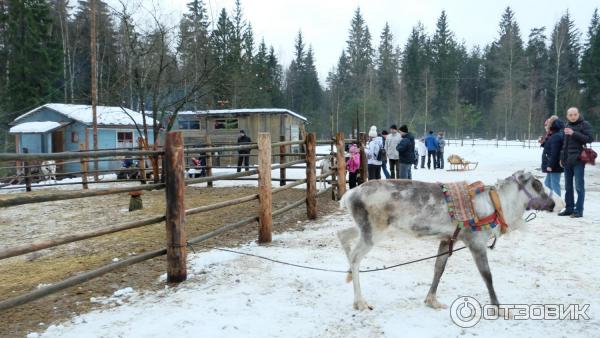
[577, 132]
[243, 155]
[440, 150]
[386, 173]
[431, 142]
[551, 155]
[406, 153]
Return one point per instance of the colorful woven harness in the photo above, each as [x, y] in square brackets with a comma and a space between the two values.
[459, 200]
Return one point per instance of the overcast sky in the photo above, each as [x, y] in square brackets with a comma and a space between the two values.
[325, 23]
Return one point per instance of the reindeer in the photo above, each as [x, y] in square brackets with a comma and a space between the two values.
[48, 170]
[325, 165]
[419, 208]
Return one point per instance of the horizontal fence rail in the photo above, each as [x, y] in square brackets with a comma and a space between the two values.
[173, 166]
[71, 155]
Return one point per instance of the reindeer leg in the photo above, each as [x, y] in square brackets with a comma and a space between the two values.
[359, 252]
[479, 252]
[440, 265]
[345, 236]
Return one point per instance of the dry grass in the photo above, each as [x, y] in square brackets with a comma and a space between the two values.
[22, 274]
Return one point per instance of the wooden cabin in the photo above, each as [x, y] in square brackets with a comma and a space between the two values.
[224, 125]
[58, 127]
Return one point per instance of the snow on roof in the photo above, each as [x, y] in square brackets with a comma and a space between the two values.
[83, 113]
[34, 127]
[243, 111]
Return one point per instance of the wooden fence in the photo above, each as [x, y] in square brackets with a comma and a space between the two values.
[174, 182]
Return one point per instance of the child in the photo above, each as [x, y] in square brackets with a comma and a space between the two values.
[353, 165]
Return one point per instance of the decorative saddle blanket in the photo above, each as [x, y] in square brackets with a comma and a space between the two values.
[458, 198]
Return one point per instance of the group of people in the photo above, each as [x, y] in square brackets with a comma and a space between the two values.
[431, 146]
[563, 146]
[398, 148]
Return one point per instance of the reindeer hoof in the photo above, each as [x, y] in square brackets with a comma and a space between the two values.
[362, 305]
[433, 303]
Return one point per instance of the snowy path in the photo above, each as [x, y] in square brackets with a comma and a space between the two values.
[552, 261]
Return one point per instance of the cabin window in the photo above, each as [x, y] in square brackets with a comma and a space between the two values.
[74, 137]
[193, 124]
[295, 136]
[125, 139]
[226, 124]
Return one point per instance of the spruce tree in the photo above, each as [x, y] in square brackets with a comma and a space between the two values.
[563, 90]
[387, 75]
[590, 73]
[444, 69]
[34, 57]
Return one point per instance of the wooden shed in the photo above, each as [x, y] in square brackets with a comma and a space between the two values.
[224, 125]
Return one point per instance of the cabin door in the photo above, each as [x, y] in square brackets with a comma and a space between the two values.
[58, 146]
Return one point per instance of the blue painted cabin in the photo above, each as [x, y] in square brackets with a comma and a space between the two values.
[56, 127]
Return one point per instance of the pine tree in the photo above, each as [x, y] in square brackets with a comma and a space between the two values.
[33, 60]
[387, 75]
[221, 48]
[563, 91]
[537, 70]
[193, 47]
[275, 75]
[444, 69]
[506, 60]
[590, 72]
[106, 43]
[311, 86]
[416, 75]
[360, 62]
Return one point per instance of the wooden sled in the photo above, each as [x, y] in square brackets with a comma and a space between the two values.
[457, 163]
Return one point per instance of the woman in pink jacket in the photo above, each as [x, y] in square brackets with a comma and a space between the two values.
[353, 165]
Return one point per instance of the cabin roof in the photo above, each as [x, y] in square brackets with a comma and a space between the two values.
[35, 127]
[106, 116]
[243, 111]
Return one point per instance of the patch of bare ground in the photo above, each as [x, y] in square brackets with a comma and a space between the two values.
[28, 223]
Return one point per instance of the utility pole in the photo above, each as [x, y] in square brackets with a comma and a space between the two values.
[94, 81]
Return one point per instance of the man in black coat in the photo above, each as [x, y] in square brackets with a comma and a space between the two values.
[406, 153]
[578, 132]
[243, 155]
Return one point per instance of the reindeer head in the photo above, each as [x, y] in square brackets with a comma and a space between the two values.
[534, 191]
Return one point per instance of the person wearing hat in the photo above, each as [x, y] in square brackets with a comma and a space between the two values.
[406, 153]
[390, 149]
[374, 154]
[244, 154]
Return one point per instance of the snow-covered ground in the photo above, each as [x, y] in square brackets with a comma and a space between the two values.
[553, 260]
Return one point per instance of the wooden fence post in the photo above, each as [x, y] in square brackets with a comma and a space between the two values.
[141, 160]
[265, 210]
[84, 168]
[27, 172]
[341, 164]
[282, 150]
[363, 157]
[311, 175]
[175, 215]
[208, 161]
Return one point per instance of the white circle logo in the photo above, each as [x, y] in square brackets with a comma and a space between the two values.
[465, 311]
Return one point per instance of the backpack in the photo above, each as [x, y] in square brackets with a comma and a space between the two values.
[381, 154]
